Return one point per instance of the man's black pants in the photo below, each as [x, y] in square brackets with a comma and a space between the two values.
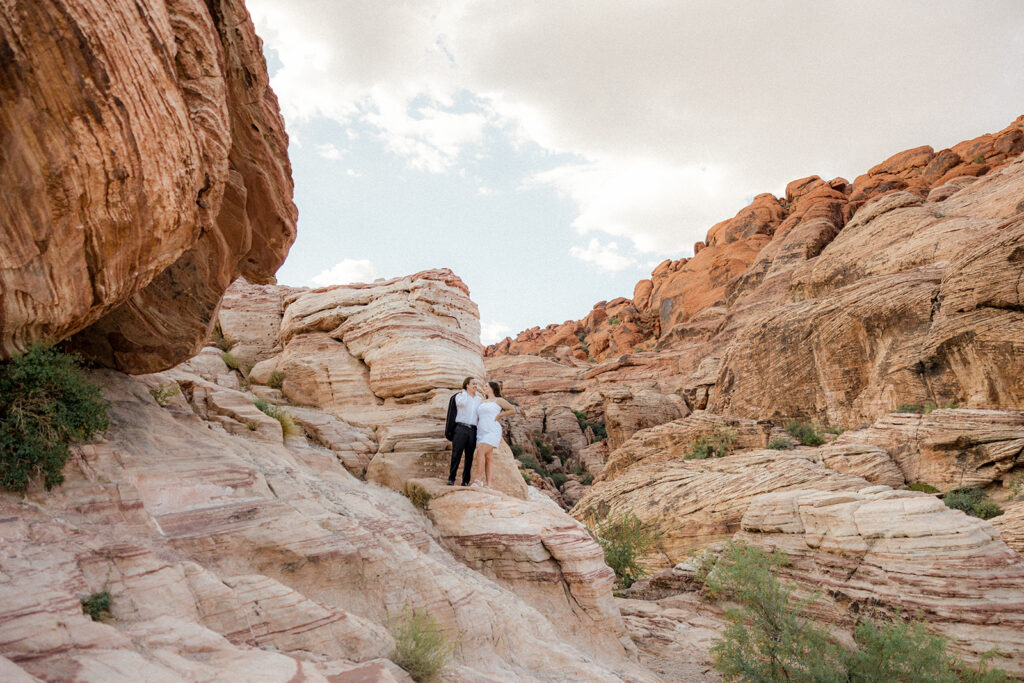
[464, 441]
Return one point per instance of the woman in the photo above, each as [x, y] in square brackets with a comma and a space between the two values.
[488, 431]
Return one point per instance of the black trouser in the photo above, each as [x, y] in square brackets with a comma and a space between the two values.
[463, 442]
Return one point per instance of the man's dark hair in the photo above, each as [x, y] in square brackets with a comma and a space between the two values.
[465, 382]
[495, 387]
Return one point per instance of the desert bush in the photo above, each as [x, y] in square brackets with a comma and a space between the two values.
[288, 426]
[418, 496]
[579, 470]
[978, 158]
[97, 605]
[769, 637]
[780, 444]
[973, 501]
[834, 429]
[587, 479]
[221, 341]
[276, 379]
[558, 479]
[600, 431]
[915, 408]
[230, 360]
[546, 454]
[805, 433]
[625, 540]
[46, 403]
[923, 487]
[517, 450]
[163, 393]
[986, 509]
[714, 445]
[530, 462]
[421, 646]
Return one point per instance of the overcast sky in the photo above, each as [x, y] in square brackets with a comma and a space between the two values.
[551, 153]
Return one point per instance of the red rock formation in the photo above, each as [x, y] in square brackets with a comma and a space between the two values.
[144, 168]
[688, 299]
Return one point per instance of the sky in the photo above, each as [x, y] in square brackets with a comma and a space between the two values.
[551, 153]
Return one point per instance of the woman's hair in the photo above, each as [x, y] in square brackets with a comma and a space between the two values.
[465, 382]
[495, 387]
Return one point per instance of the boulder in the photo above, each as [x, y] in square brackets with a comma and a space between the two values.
[146, 168]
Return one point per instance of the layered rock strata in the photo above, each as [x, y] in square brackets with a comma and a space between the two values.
[839, 301]
[899, 551]
[145, 168]
[234, 553]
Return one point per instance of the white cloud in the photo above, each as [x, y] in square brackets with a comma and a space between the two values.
[329, 151]
[677, 111]
[492, 332]
[604, 256]
[346, 272]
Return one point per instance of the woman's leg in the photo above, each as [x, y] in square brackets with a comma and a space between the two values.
[488, 454]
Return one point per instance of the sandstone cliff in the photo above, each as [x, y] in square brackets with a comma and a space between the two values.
[839, 301]
[235, 549]
[144, 168]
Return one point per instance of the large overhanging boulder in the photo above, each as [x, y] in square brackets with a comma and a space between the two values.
[144, 168]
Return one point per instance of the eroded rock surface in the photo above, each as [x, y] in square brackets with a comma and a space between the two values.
[145, 168]
[899, 550]
[240, 555]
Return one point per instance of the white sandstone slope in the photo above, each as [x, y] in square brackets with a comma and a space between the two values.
[233, 552]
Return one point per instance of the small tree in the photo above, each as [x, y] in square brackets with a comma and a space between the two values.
[45, 404]
[625, 540]
[768, 638]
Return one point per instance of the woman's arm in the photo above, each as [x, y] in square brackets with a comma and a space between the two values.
[506, 407]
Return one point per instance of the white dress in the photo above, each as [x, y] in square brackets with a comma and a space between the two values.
[487, 428]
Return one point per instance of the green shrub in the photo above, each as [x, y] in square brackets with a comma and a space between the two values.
[923, 487]
[517, 450]
[780, 444]
[624, 541]
[614, 321]
[527, 478]
[546, 454]
[558, 478]
[46, 403]
[97, 605]
[979, 158]
[834, 429]
[973, 501]
[288, 426]
[230, 360]
[986, 509]
[714, 445]
[769, 637]
[276, 380]
[163, 393]
[421, 646]
[909, 408]
[579, 470]
[805, 433]
[220, 341]
[600, 431]
[530, 462]
[588, 479]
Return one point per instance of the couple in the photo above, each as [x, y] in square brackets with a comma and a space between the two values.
[472, 425]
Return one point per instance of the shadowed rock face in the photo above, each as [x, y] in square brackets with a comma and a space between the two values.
[144, 168]
[838, 302]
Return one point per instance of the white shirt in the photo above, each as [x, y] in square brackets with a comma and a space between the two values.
[465, 407]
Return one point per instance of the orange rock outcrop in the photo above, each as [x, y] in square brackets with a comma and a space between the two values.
[685, 300]
[144, 168]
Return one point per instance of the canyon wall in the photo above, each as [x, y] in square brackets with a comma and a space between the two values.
[145, 167]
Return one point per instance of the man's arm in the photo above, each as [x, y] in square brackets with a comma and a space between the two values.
[461, 398]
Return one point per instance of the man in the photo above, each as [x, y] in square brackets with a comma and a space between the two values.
[464, 439]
